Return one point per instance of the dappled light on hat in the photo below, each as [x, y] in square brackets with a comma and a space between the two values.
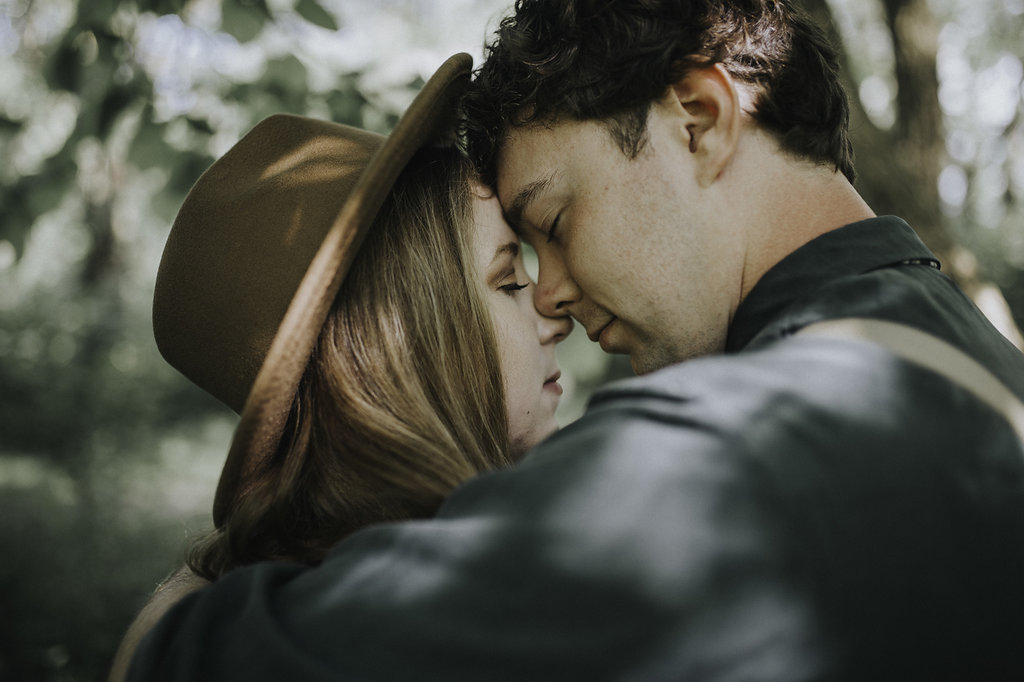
[243, 241]
[305, 164]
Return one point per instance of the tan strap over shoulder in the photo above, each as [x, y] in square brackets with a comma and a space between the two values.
[932, 353]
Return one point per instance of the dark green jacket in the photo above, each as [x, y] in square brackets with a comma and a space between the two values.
[797, 508]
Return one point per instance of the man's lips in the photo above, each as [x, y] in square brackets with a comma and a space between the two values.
[595, 335]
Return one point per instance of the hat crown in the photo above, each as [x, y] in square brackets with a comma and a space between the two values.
[243, 240]
[258, 253]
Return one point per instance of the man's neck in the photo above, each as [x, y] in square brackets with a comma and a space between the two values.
[800, 202]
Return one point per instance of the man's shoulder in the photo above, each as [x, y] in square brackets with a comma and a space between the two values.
[814, 370]
[796, 395]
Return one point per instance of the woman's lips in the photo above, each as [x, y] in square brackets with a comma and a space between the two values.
[552, 384]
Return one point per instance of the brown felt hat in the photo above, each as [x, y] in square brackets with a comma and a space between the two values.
[259, 249]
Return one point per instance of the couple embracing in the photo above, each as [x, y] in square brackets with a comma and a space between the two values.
[816, 474]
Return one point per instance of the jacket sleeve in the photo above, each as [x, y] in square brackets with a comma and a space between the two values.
[635, 544]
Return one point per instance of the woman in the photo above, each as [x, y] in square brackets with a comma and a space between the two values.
[433, 365]
[392, 375]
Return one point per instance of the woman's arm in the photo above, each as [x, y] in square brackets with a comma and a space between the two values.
[167, 594]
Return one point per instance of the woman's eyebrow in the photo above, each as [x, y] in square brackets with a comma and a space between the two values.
[511, 249]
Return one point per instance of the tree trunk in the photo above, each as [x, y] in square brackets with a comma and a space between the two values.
[898, 169]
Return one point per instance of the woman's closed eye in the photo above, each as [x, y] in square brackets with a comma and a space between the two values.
[512, 288]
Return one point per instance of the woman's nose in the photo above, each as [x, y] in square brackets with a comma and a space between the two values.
[553, 329]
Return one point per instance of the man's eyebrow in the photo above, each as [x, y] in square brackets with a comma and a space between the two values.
[522, 200]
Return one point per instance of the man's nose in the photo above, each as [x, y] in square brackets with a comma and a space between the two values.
[556, 291]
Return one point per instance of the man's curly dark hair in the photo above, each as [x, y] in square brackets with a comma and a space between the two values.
[608, 60]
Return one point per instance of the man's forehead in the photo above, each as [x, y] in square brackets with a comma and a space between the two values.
[537, 147]
[523, 157]
[530, 164]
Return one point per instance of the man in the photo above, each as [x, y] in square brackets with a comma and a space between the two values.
[658, 181]
[776, 507]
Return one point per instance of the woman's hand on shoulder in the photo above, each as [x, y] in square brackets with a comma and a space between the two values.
[180, 583]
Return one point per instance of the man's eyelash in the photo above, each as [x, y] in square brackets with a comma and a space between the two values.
[554, 225]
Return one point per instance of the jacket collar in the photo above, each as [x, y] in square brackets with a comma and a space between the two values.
[854, 249]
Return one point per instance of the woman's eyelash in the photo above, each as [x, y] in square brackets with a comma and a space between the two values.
[513, 288]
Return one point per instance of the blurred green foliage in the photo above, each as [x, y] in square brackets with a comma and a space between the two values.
[107, 456]
[109, 111]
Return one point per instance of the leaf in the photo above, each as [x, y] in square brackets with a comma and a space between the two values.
[346, 103]
[286, 72]
[31, 196]
[243, 20]
[96, 13]
[162, 6]
[9, 125]
[199, 125]
[186, 170]
[286, 81]
[149, 149]
[45, 191]
[312, 12]
[166, 203]
[63, 71]
[114, 102]
[15, 219]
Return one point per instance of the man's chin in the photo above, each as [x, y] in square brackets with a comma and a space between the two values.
[642, 364]
[645, 361]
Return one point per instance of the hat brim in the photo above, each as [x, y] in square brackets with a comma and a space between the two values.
[269, 402]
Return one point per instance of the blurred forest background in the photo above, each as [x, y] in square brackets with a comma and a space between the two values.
[110, 110]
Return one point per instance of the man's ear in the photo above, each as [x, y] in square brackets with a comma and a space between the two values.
[710, 118]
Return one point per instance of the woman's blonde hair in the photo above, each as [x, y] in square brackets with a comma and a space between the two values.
[402, 400]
